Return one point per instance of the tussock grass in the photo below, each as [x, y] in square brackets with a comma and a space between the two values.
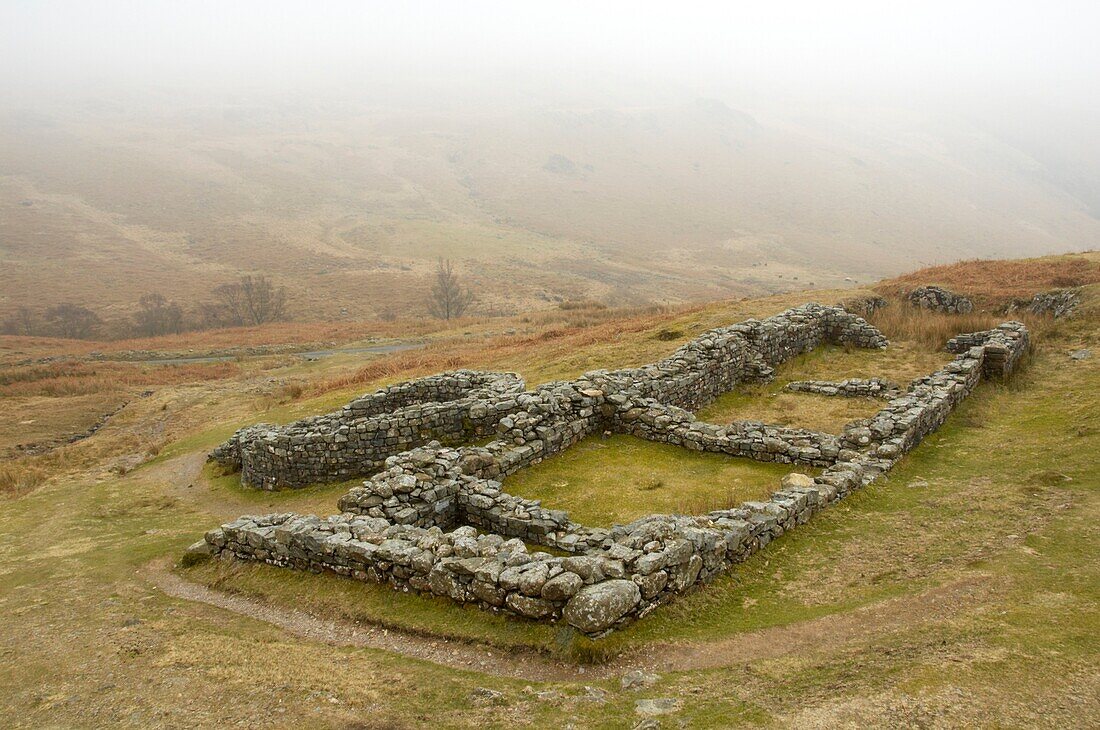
[20, 475]
[999, 281]
[78, 377]
[540, 346]
[931, 330]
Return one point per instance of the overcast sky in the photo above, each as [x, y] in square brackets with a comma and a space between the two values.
[1047, 51]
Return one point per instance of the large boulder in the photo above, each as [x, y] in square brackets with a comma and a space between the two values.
[795, 479]
[598, 607]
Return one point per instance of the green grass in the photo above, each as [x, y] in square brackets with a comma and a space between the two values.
[317, 499]
[207, 438]
[331, 595]
[771, 403]
[604, 481]
[1005, 499]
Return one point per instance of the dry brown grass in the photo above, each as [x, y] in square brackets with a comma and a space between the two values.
[903, 323]
[932, 330]
[20, 475]
[552, 335]
[995, 282]
[76, 377]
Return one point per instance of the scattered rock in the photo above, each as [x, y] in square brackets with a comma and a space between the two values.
[1084, 354]
[795, 479]
[484, 694]
[545, 695]
[658, 706]
[594, 694]
[638, 679]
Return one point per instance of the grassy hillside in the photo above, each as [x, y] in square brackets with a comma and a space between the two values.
[961, 591]
[350, 205]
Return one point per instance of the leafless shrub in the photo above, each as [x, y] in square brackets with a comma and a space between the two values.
[253, 300]
[72, 321]
[448, 298]
[158, 316]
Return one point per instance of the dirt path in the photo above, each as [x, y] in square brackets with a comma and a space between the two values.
[305, 355]
[826, 634]
[518, 664]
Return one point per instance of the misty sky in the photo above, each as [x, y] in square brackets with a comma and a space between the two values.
[1045, 51]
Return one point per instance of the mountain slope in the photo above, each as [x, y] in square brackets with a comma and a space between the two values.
[350, 205]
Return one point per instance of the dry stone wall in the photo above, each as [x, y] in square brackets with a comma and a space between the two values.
[864, 306]
[452, 407]
[938, 299]
[1057, 303]
[415, 524]
[850, 388]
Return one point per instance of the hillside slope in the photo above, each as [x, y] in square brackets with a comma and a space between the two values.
[961, 591]
[350, 204]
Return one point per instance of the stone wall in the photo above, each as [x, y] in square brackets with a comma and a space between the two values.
[723, 358]
[452, 407]
[412, 525]
[653, 421]
[1057, 303]
[850, 388]
[465, 405]
[940, 300]
[864, 306]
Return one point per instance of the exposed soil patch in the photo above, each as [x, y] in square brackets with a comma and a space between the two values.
[457, 655]
[822, 634]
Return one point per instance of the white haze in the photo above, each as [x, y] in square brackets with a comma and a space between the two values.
[913, 132]
[1034, 51]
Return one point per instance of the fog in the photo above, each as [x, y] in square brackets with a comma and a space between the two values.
[608, 150]
[1033, 51]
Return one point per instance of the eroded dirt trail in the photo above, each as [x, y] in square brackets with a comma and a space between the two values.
[517, 664]
[822, 634]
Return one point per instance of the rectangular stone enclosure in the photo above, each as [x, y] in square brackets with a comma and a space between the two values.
[433, 516]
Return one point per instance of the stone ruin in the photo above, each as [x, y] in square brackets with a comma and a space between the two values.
[937, 299]
[850, 388]
[437, 519]
[453, 407]
[864, 306]
[1057, 303]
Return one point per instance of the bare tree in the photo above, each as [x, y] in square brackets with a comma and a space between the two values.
[23, 321]
[158, 316]
[73, 321]
[250, 301]
[448, 298]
